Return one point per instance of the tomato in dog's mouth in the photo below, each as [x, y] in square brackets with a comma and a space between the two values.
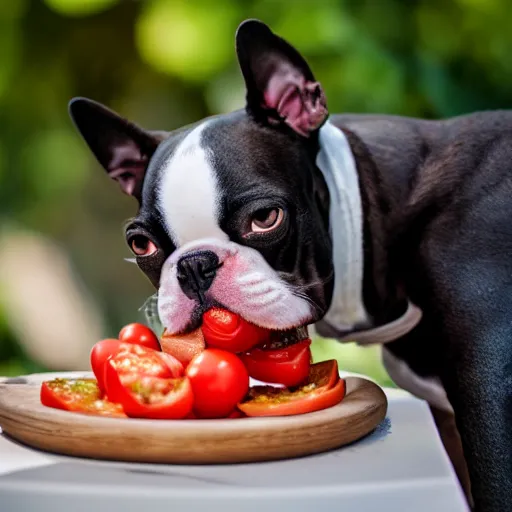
[283, 339]
[279, 357]
[284, 358]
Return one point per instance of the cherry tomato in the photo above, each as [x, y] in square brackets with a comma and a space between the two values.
[140, 361]
[80, 395]
[219, 381]
[144, 396]
[323, 389]
[139, 335]
[288, 366]
[228, 331]
[183, 346]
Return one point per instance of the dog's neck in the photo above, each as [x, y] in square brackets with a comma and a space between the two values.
[336, 162]
[367, 306]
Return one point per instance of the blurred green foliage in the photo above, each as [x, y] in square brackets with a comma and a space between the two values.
[164, 63]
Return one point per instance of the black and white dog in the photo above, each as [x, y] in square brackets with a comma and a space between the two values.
[375, 228]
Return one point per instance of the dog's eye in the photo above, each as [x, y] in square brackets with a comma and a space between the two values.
[142, 246]
[266, 219]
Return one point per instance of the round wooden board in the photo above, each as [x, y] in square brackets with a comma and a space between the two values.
[25, 419]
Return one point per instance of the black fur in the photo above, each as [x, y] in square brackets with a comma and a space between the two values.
[449, 241]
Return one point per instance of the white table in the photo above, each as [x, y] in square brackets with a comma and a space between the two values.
[400, 467]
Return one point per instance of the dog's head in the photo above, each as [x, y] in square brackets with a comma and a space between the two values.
[233, 210]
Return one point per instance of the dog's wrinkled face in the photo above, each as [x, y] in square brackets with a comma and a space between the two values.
[233, 210]
[236, 205]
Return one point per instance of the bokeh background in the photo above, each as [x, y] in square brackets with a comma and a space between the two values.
[64, 283]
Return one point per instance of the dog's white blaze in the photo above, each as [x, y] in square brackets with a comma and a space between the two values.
[188, 195]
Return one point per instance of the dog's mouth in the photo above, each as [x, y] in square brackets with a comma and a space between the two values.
[276, 340]
[279, 340]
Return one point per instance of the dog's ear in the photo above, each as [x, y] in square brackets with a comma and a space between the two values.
[280, 85]
[121, 147]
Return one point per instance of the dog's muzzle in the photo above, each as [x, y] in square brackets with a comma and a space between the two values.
[195, 272]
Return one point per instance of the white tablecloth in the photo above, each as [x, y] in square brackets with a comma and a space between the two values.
[400, 467]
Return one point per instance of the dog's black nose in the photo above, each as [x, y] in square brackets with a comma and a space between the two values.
[196, 272]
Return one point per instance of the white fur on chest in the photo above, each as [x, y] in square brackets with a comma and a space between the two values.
[429, 389]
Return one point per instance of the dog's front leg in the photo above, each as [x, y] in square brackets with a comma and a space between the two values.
[474, 309]
[449, 434]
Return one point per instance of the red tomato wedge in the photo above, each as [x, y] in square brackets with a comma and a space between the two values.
[219, 381]
[184, 347]
[323, 389]
[139, 334]
[324, 374]
[177, 369]
[143, 396]
[140, 361]
[99, 355]
[228, 331]
[80, 395]
[102, 350]
[288, 366]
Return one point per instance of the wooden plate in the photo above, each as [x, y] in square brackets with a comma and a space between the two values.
[25, 419]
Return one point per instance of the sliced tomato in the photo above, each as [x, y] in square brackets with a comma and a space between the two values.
[102, 350]
[228, 331]
[99, 355]
[139, 334]
[324, 374]
[184, 347]
[269, 401]
[144, 361]
[219, 381]
[177, 369]
[140, 361]
[78, 395]
[323, 389]
[68, 394]
[143, 396]
[288, 366]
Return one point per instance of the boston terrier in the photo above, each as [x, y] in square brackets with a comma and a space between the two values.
[374, 228]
